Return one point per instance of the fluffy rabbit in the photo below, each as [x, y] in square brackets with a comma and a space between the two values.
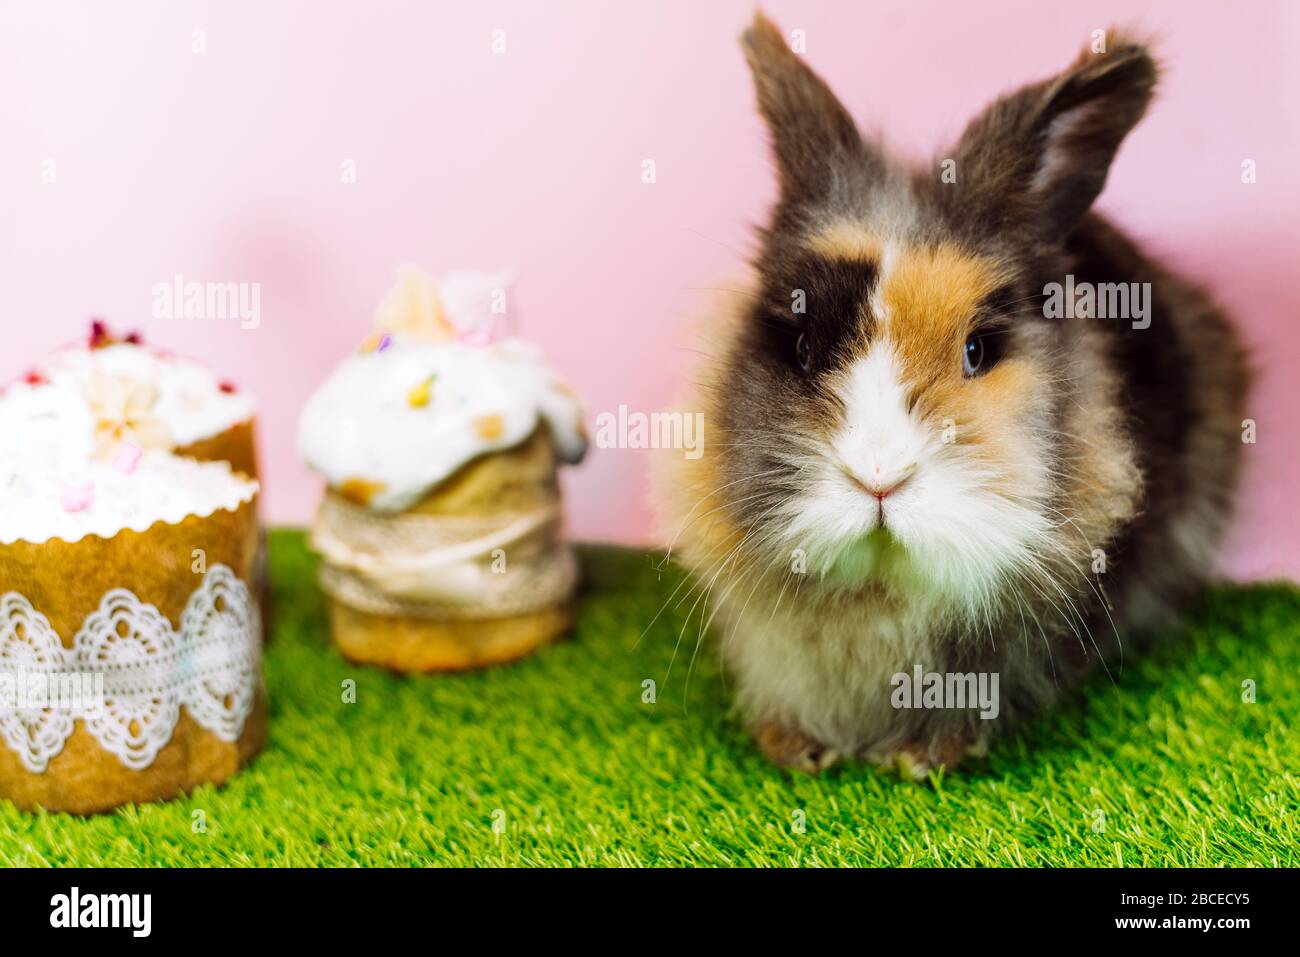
[921, 456]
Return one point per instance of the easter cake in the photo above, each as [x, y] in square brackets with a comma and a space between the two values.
[439, 441]
[130, 638]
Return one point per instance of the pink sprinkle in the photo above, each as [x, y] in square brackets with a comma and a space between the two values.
[78, 497]
[126, 459]
[385, 341]
[34, 377]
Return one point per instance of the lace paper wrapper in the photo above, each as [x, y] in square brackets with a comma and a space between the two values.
[164, 621]
[128, 672]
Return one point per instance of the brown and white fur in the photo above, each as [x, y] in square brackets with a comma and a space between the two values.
[868, 501]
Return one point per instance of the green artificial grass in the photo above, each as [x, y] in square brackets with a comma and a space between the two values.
[557, 760]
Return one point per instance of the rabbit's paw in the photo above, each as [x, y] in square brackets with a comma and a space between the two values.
[915, 759]
[791, 748]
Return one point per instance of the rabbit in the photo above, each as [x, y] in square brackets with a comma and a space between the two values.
[918, 464]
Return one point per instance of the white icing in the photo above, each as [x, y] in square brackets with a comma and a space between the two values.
[190, 400]
[46, 424]
[162, 488]
[54, 485]
[360, 424]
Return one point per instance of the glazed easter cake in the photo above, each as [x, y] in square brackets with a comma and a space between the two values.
[439, 441]
[130, 643]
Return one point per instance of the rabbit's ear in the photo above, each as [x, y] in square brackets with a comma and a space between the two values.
[1041, 155]
[813, 136]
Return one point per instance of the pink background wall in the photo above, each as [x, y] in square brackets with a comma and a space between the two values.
[226, 166]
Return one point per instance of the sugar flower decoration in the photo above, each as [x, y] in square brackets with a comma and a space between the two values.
[123, 411]
[413, 308]
[477, 303]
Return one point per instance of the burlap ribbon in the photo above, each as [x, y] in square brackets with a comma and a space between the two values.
[429, 566]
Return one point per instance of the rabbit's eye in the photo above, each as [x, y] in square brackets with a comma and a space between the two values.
[803, 352]
[981, 351]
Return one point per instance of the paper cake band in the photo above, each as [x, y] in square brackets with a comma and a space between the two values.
[443, 567]
[165, 581]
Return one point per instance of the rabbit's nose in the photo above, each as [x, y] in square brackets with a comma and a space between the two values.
[881, 482]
